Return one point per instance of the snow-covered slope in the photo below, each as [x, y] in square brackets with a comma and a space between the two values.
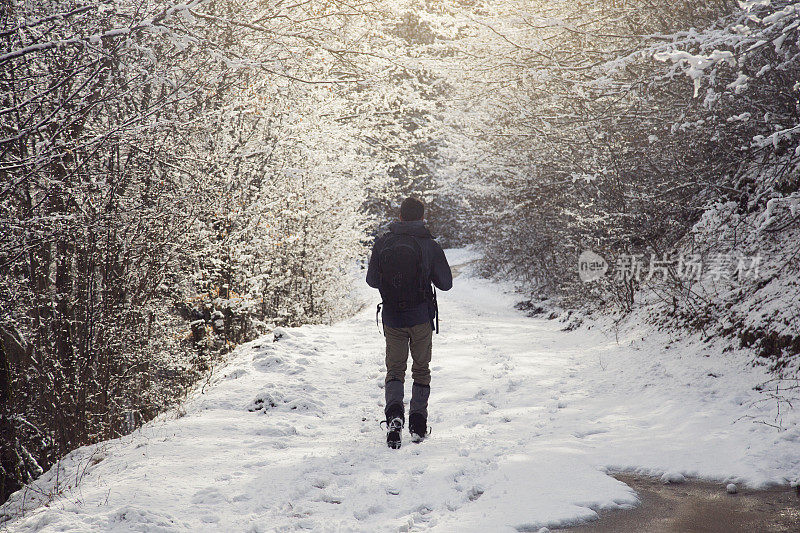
[526, 420]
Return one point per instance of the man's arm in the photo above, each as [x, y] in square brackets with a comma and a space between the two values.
[440, 270]
[373, 271]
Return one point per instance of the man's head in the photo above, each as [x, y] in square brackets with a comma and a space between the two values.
[411, 209]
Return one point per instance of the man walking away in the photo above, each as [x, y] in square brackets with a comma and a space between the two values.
[404, 263]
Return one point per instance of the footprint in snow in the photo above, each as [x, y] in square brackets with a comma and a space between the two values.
[279, 430]
[236, 374]
[328, 498]
[589, 432]
[207, 495]
[319, 482]
[475, 492]
[363, 514]
[268, 363]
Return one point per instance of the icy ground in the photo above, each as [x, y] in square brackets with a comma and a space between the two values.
[526, 419]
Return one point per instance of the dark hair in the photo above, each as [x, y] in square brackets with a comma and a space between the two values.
[411, 209]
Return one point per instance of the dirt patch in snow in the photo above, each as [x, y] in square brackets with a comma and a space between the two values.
[699, 506]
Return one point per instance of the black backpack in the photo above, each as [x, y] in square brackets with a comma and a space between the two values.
[403, 282]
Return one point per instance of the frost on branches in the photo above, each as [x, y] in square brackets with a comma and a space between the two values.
[638, 129]
[160, 199]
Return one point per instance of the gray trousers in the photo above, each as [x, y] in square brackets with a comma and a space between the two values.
[399, 341]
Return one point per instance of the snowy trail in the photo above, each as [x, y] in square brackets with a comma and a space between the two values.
[526, 418]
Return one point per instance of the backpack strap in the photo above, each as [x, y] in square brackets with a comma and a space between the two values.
[436, 311]
[426, 287]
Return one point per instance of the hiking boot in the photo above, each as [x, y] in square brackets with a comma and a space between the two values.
[394, 430]
[417, 426]
[395, 421]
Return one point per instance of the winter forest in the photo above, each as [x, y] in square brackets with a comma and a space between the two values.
[178, 180]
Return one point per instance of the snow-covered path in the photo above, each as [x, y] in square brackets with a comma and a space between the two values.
[526, 418]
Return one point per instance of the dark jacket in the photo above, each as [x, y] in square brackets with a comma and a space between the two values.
[434, 266]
